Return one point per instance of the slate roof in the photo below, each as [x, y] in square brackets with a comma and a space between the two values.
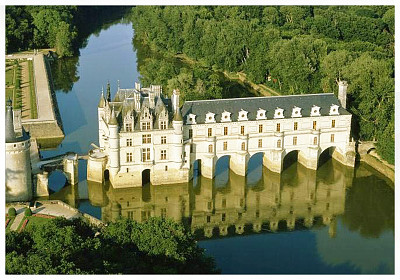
[252, 104]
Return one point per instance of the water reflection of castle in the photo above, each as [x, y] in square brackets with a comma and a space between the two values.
[297, 198]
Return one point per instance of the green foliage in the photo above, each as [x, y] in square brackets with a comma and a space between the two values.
[71, 247]
[12, 212]
[28, 212]
[303, 49]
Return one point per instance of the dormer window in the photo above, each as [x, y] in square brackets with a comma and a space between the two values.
[334, 110]
[242, 115]
[296, 112]
[278, 113]
[226, 116]
[210, 117]
[315, 111]
[261, 114]
[191, 119]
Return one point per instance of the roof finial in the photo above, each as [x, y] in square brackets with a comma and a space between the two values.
[108, 92]
[118, 84]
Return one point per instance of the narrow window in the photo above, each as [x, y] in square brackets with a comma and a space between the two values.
[333, 123]
[190, 133]
[242, 130]
[260, 128]
[257, 214]
[209, 205]
[129, 142]
[315, 140]
[295, 140]
[332, 138]
[210, 148]
[279, 143]
[314, 125]
[260, 143]
[223, 217]
[166, 168]
[128, 157]
[225, 130]
[208, 219]
[209, 132]
[191, 148]
[163, 139]
[163, 125]
[295, 126]
[278, 127]
[243, 146]
[163, 154]
[146, 138]
[225, 145]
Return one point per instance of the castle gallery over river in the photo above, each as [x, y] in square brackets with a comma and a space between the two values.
[145, 136]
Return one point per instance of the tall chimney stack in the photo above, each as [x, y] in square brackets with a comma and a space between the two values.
[342, 95]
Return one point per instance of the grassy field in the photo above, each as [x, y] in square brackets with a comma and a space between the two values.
[32, 90]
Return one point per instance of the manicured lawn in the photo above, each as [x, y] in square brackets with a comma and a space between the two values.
[9, 94]
[32, 91]
[10, 76]
[36, 221]
[9, 224]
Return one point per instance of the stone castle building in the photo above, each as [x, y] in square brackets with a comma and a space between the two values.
[145, 134]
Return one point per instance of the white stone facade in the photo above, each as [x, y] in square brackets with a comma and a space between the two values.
[142, 130]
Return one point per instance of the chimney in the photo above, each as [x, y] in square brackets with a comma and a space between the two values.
[175, 100]
[137, 86]
[342, 94]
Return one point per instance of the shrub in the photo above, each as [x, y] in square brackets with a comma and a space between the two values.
[28, 212]
[12, 212]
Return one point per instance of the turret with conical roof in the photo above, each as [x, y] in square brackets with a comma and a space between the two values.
[113, 118]
[102, 102]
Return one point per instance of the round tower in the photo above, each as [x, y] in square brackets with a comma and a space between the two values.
[177, 138]
[114, 143]
[18, 161]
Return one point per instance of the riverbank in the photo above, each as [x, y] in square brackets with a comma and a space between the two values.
[380, 165]
[44, 124]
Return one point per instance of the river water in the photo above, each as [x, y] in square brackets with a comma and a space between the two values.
[334, 220]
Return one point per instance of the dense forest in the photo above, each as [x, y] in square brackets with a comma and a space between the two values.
[64, 28]
[61, 246]
[291, 49]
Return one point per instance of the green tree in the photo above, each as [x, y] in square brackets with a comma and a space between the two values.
[332, 67]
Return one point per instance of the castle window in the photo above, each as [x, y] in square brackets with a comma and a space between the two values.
[128, 127]
[257, 214]
[163, 125]
[242, 130]
[146, 154]
[223, 217]
[209, 132]
[279, 143]
[166, 169]
[225, 146]
[190, 133]
[163, 139]
[295, 125]
[243, 146]
[129, 142]
[332, 138]
[225, 130]
[129, 157]
[314, 125]
[260, 143]
[191, 148]
[209, 205]
[163, 154]
[278, 127]
[146, 138]
[260, 128]
[224, 203]
[295, 140]
[333, 123]
[210, 148]
[315, 140]
[208, 219]
[145, 125]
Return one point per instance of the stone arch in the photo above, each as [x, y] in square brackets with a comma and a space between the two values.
[254, 170]
[289, 158]
[326, 154]
[57, 180]
[222, 170]
[145, 177]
